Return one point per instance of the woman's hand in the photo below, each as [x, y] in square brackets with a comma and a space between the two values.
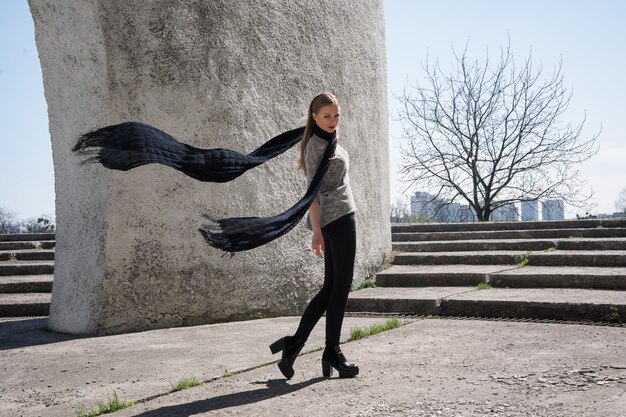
[317, 243]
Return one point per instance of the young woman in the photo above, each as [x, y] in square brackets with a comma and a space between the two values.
[331, 219]
[328, 200]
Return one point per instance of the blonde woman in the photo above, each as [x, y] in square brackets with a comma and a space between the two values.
[331, 219]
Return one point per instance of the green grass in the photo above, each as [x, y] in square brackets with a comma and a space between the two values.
[525, 259]
[185, 383]
[357, 333]
[550, 249]
[368, 283]
[113, 405]
[227, 373]
[483, 286]
[614, 313]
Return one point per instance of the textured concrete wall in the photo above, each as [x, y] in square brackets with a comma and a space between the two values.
[214, 74]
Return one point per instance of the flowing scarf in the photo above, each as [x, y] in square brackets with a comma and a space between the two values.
[131, 144]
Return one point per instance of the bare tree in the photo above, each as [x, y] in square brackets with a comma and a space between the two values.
[492, 135]
[620, 203]
[8, 221]
[400, 211]
[42, 224]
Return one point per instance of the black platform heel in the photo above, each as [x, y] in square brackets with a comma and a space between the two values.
[333, 357]
[291, 347]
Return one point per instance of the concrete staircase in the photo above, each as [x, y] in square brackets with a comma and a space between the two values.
[574, 270]
[26, 273]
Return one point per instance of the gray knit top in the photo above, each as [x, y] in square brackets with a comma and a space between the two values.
[335, 195]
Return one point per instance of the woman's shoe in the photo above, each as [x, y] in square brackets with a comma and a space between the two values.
[333, 357]
[291, 347]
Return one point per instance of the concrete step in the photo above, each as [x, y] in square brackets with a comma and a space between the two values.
[513, 244]
[435, 275]
[26, 283]
[482, 226]
[20, 305]
[511, 234]
[613, 258]
[606, 278]
[35, 237]
[28, 255]
[503, 276]
[559, 304]
[26, 268]
[18, 245]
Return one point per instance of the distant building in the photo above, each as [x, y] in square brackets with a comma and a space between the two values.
[435, 209]
[423, 203]
[552, 210]
[467, 214]
[615, 215]
[452, 212]
[530, 211]
[507, 213]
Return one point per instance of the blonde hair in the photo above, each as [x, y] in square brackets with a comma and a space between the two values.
[321, 100]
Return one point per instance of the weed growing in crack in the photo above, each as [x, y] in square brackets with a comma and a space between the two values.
[357, 333]
[185, 383]
[114, 404]
[525, 259]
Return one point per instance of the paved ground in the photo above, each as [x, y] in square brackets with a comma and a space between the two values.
[47, 374]
[429, 367]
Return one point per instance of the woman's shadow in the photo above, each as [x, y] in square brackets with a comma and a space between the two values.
[273, 388]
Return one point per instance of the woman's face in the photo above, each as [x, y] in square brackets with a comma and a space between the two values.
[327, 118]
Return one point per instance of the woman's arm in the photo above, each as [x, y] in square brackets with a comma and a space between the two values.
[317, 242]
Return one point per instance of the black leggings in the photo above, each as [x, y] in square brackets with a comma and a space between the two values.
[339, 251]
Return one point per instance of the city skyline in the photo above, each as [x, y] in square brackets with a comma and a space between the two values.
[566, 32]
[435, 209]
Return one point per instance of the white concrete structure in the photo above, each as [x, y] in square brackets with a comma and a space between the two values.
[213, 74]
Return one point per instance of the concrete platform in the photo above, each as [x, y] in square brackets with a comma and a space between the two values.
[608, 278]
[436, 275]
[430, 367]
[26, 268]
[16, 237]
[545, 303]
[28, 255]
[26, 283]
[568, 233]
[19, 305]
[586, 244]
[17, 245]
[612, 258]
[531, 225]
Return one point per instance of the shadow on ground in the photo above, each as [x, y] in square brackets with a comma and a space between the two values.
[274, 388]
[32, 332]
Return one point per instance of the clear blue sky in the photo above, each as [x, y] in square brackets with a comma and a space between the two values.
[587, 36]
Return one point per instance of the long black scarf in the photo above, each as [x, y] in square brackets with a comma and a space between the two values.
[132, 144]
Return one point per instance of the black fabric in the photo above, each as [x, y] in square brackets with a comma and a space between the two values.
[243, 233]
[321, 133]
[339, 254]
[132, 144]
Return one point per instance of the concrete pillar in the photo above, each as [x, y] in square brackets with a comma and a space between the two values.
[216, 73]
